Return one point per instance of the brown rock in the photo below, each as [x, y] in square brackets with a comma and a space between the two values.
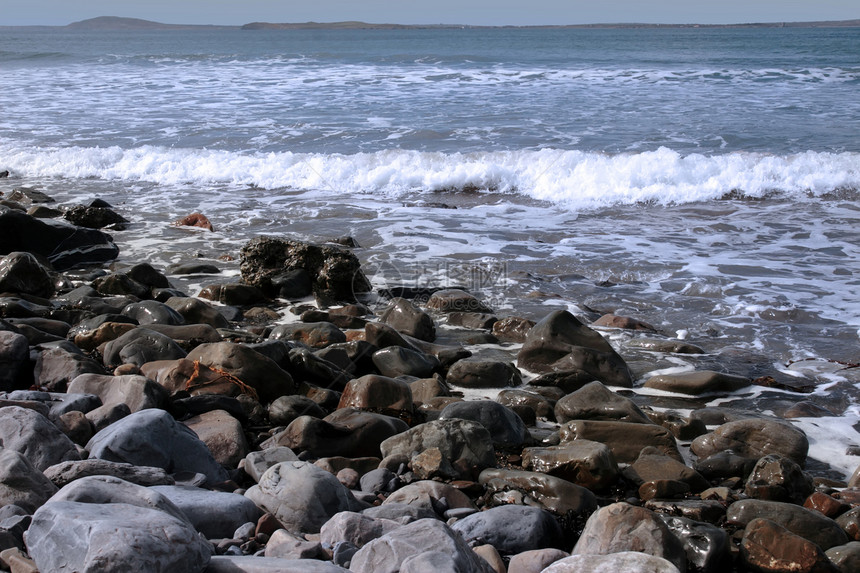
[377, 393]
[92, 339]
[594, 401]
[512, 329]
[408, 319]
[195, 220]
[696, 383]
[554, 494]
[654, 466]
[222, 434]
[754, 438]
[625, 439]
[455, 300]
[624, 322]
[663, 489]
[583, 462]
[825, 505]
[767, 546]
[778, 478]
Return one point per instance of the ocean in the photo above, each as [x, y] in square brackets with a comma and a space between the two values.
[703, 180]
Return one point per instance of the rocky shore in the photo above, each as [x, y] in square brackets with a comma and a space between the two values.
[295, 421]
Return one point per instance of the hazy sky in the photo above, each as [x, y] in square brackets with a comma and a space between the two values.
[497, 12]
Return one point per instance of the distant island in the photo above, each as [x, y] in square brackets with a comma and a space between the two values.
[113, 23]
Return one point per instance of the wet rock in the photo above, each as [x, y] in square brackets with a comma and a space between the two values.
[347, 432]
[653, 465]
[767, 546]
[335, 272]
[682, 427]
[222, 434]
[506, 428]
[425, 389]
[665, 346]
[294, 284]
[94, 217]
[408, 319]
[122, 285]
[126, 537]
[301, 496]
[850, 523]
[89, 339]
[723, 465]
[21, 483]
[56, 368]
[195, 220]
[251, 368]
[472, 320]
[66, 472]
[28, 195]
[594, 401]
[14, 361]
[623, 527]
[696, 383]
[465, 447]
[619, 561]
[215, 514]
[313, 334]
[356, 528]
[512, 529]
[398, 361]
[560, 343]
[778, 478]
[583, 462]
[382, 336]
[623, 322]
[512, 329]
[625, 439]
[456, 300]
[825, 504]
[195, 311]
[307, 366]
[379, 394]
[536, 489]
[287, 408]
[541, 407]
[187, 336]
[477, 373]
[35, 437]
[806, 523]
[846, 558]
[152, 312]
[21, 273]
[707, 547]
[389, 553]
[707, 510]
[139, 346]
[153, 438]
[234, 294]
[136, 392]
[754, 438]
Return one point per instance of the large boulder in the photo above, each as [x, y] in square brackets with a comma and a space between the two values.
[512, 529]
[696, 383]
[21, 483]
[621, 561]
[139, 346]
[506, 428]
[251, 368]
[408, 319]
[153, 438]
[86, 537]
[335, 272]
[754, 438]
[554, 494]
[135, 391]
[301, 496]
[21, 273]
[594, 401]
[767, 546]
[65, 246]
[806, 523]
[560, 343]
[215, 514]
[35, 437]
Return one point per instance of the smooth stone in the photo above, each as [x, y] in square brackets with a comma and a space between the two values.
[113, 536]
[261, 373]
[64, 473]
[477, 373]
[215, 514]
[301, 496]
[356, 528]
[14, 360]
[94, 217]
[396, 361]
[306, 365]
[665, 346]
[583, 462]
[456, 300]
[223, 435]
[35, 437]
[622, 322]
[653, 466]
[621, 561]
[153, 438]
[136, 392]
[754, 438]
[426, 389]
[424, 495]
[472, 320]
[770, 547]
[850, 523]
[253, 564]
[196, 311]
[554, 494]
[707, 547]
[122, 285]
[778, 478]
[285, 545]
[402, 513]
[234, 294]
[56, 368]
[408, 319]
[377, 393]
[806, 523]
[535, 561]
[625, 439]
[845, 557]
[506, 428]
[312, 334]
[285, 409]
[703, 510]
[21, 483]
[594, 401]
[22, 273]
[346, 432]
[256, 463]
[698, 383]
[723, 465]
[379, 480]
[187, 336]
[512, 329]
[153, 312]
[512, 529]
[139, 346]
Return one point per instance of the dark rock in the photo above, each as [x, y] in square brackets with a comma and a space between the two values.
[313, 334]
[21, 483]
[222, 434]
[121, 284]
[506, 428]
[292, 284]
[455, 300]
[512, 329]
[398, 361]
[754, 438]
[722, 465]
[285, 409]
[195, 311]
[306, 365]
[583, 462]
[21, 273]
[153, 312]
[408, 319]
[767, 546]
[477, 373]
[472, 320]
[94, 217]
[512, 528]
[846, 558]
[625, 439]
[192, 268]
[234, 294]
[29, 196]
[541, 407]
[382, 336]
[778, 478]
[806, 523]
[697, 383]
[14, 361]
[560, 343]
[139, 346]
[594, 401]
[665, 346]
[554, 494]
[379, 394]
[653, 466]
[623, 322]
[187, 336]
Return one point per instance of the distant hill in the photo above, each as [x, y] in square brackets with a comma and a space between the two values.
[348, 25]
[117, 23]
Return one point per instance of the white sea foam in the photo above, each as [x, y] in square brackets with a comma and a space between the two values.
[573, 178]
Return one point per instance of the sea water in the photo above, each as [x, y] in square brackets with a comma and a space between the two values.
[704, 180]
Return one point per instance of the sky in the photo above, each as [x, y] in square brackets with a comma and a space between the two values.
[473, 12]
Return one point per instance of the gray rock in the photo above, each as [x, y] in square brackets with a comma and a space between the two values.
[67, 472]
[535, 561]
[14, 360]
[465, 447]
[478, 373]
[253, 564]
[554, 494]
[623, 527]
[402, 513]
[35, 437]
[424, 495]
[140, 346]
[806, 523]
[313, 334]
[256, 463]
[135, 391]
[512, 529]
[285, 545]
[87, 537]
[408, 319]
[153, 312]
[619, 561]
[215, 514]
[379, 480]
[153, 438]
[560, 343]
[594, 401]
[356, 528]
[56, 368]
[21, 483]
[398, 361]
[388, 553]
[697, 383]
[506, 428]
[301, 496]
[754, 438]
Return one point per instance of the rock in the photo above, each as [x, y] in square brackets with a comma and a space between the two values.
[511, 528]
[195, 220]
[301, 496]
[234, 294]
[139, 346]
[455, 300]
[294, 284]
[253, 564]
[382, 336]
[347, 432]
[35, 437]
[850, 523]
[723, 465]
[806, 523]
[767, 546]
[66, 472]
[379, 394]
[423, 496]
[477, 373]
[56, 368]
[583, 462]
[619, 561]
[408, 319]
[187, 336]
[136, 392]
[14, 361]
[313, 334]
[215, 514]
[17, 561]
[594, 401]
[777, 478]
[625, 439]
[471, 320]
[535, 561]
[653, 466]
[698, 383]
[251, 368]
[287, 408]
[560, 343]
[356, 528]
[65, 246]
[335, 272]
[21, 273]
[93, 217]
[825, 504]
[554, 494]
[512, 329]
[153, 438]
[222, 434]
[113, 536]
[90, 339]
[845, 557]
[623, 527]
[707, 547]
[389, 553]
[506, 428]
[623, 322]
[398, 361]
[153, 312]
[123, 285]
[195, 311]
[465, 446]
[28, 195]
[682, 427]
[665, 346]
[401, 512]
[379, 480]
[541, 407]
[311, 368]
[256, 463]
[754, 438]
[76, 426]
[21, 483]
